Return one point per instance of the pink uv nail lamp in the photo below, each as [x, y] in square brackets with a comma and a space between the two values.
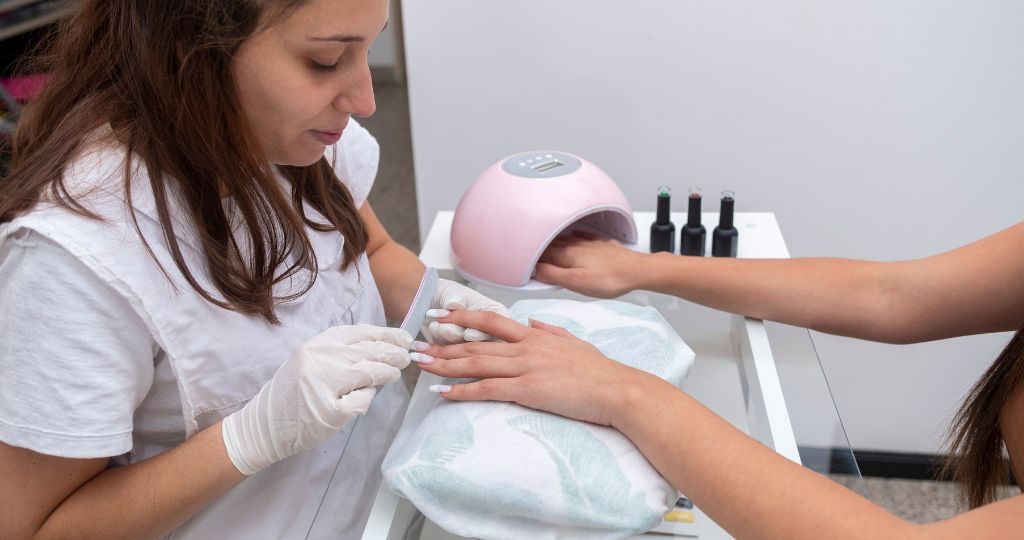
[517, 206]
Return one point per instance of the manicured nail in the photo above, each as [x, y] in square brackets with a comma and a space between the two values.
[437, 313]
[420, 346]
[440, 388]
[421, 358]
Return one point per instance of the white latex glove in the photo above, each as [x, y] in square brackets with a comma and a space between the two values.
[451, 295]
[327, 382]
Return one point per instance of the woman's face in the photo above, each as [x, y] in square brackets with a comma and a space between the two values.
[300, 80]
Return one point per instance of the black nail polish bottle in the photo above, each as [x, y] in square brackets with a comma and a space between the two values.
[725, 238]
[693, 235]
[663, 231]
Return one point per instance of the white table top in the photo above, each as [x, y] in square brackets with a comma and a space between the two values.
[716, 380]
[760, 236]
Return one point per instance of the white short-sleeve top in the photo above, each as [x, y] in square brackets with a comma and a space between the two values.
[80, 374]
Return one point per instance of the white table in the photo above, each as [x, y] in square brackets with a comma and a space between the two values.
[734, 374]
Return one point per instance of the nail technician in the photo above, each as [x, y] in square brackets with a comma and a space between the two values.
[745, 487]
[193, 288]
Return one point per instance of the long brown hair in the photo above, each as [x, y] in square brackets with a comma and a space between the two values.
[975, 438]
[159, 73]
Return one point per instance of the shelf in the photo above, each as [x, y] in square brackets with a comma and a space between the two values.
[31, 24]
[11, 5]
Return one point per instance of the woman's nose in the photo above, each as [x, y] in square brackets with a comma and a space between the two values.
[358, 98]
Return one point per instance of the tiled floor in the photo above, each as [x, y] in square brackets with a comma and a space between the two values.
[914, 500]
[394, 200]
[918, 501]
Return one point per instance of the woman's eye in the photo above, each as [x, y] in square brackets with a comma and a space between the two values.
[324, 68]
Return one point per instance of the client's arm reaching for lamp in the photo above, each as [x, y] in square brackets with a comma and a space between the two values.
[973, 289]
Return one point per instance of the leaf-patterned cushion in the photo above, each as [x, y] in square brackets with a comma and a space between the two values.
[496, 470]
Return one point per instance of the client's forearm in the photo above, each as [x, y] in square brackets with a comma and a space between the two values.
[748, 489]
[838, 296]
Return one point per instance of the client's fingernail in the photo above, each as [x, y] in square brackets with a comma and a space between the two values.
[437, 313]
[421, 358]
[420, 346]
[440, 388]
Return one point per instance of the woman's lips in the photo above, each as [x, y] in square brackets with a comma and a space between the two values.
[327, 137]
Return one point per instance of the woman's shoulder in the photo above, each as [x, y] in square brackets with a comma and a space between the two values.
[65, 322]
[96, 173]
[93, 180]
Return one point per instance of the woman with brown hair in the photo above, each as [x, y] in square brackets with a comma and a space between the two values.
[194, 291]
[748, 489]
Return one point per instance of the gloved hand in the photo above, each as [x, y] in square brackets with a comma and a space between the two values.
[451, 295]
[328, 381]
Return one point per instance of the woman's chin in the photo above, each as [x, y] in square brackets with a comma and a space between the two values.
[304, 158]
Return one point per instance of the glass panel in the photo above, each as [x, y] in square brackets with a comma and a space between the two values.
[820, 436]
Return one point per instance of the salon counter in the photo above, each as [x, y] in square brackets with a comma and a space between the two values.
[764, 378]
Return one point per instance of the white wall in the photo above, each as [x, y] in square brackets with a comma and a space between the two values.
[385, 50]
[872, 128]
[384, 53]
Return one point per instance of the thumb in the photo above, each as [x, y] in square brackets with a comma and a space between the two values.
[374, 374]
[377, 351]
[446, 332]
[450, 295]
[355, 403]
[555, 275]
[350, 334]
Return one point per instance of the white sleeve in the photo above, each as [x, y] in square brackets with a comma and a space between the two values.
[75, 359]
[355, 158]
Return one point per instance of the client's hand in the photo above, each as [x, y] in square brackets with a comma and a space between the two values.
[592, 265]
[539, 366]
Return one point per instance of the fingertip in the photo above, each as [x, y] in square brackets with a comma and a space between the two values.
[472, 334]
[404, 339]
[385, 334]
[435, 332]
[456, 392]
[358, 401]
[403, 362]
[379, 373]
[451, 332]
[390, 354]
[542, 272]
[455, 305]
[539, 272]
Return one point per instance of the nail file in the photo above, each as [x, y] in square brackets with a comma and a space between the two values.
[420, 303]
[412, 322]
